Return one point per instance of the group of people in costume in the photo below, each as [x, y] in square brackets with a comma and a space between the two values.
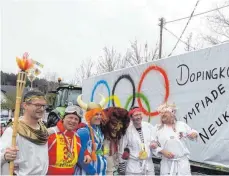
[113, 140]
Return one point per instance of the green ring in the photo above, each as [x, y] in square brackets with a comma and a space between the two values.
[143, 97]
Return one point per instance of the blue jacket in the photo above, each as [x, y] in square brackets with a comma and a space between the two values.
[95, 167]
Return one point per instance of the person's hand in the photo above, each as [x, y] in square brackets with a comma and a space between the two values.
[153, 145]
[181, 135]
[96, 174]
[167, 154]
[11, 153]
[87, 159]
[192, 135]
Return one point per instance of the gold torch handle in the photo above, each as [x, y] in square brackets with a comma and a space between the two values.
[21, 80]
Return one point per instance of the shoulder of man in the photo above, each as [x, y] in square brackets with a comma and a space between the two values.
[146, 124]
[155, 127]
[84, 131]
[11, 121]
[130, 127]
[53, 130]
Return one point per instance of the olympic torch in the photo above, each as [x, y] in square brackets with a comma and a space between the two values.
[24, 64]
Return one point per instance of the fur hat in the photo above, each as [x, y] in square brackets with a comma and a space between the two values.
[115, 122]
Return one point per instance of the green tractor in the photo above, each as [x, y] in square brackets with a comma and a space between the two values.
[63, 95]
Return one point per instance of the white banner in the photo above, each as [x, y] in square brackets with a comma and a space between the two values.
[197, 82]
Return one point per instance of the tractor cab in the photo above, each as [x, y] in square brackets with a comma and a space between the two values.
[62, 96]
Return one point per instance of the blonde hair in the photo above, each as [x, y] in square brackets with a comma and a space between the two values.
[166, 108]
[163, 110]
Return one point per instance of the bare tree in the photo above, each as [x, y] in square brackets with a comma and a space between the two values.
[136, 57]
[188, 43]
[84, 71]
[124, 62]
[51, 78]
[135, 54]
[110, 61]
[151, 55]
[219, 27]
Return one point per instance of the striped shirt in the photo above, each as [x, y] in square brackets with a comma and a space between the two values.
[122, 166]
[140, 134]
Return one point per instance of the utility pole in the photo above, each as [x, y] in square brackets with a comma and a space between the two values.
[161, 20]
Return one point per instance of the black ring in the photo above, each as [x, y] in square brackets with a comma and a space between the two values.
[126, 76]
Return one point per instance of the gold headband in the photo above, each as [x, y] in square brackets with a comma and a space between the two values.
[34, 97]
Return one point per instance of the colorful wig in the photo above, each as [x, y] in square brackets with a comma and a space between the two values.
[91, 110]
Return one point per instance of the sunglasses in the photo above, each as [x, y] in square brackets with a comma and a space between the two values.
[39, 106]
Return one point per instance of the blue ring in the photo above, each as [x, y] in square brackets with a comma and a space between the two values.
[95, 87]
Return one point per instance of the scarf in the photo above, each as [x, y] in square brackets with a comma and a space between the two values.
[39, 137]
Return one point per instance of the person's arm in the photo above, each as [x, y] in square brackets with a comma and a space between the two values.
[155, 146]
[123, 144]
[191, 133]
[83, 133]
[6, 151]
[123, 154]
[166, 154]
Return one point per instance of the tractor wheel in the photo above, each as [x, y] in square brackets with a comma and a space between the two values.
[52, 120]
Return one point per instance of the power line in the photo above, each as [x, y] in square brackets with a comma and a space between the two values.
[179, 38]
[196, 14]
[185, 27]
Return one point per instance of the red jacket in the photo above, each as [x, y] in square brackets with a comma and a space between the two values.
[80, 125]
[64, 147]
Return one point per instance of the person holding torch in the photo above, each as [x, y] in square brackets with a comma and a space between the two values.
[24, 147]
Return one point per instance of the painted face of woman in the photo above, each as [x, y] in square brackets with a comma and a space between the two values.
[168, 118]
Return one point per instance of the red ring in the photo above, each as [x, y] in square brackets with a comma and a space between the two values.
[156, 68]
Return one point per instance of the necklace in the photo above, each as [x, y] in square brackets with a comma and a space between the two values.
[69, 146]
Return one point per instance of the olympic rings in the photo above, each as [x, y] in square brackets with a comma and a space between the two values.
[97, 84]
[126, 76]
[143, 97]
[116, 100]
[140, 96]
[153, 67]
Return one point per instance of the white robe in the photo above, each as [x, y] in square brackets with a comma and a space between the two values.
[132, 140]
[170, 141]
[31, 159]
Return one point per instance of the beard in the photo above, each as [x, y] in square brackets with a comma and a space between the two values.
[37, 115]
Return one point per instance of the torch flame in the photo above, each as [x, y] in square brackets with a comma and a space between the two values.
[24, 63]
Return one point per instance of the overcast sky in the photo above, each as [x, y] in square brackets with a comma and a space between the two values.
[60, 34]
